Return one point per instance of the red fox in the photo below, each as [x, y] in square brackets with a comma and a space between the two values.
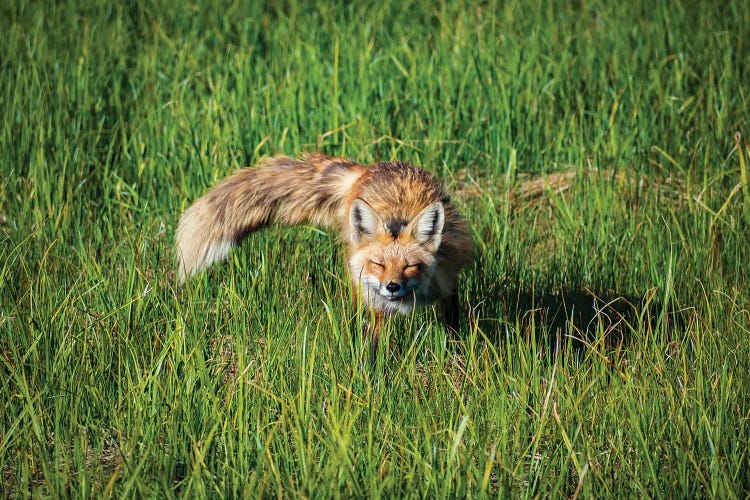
[406, 241]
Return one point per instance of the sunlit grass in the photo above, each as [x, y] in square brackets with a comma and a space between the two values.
[599, 153]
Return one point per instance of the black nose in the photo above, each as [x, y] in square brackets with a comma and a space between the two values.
[393, 287]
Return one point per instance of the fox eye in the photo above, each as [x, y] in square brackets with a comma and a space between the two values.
[376, 263]
[413, 266]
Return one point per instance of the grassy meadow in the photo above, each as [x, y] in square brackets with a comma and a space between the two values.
[598, 149]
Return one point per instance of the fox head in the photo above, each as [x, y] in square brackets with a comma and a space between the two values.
[393, 260]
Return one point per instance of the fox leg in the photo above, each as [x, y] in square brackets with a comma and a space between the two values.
[371, 332]
[450, 314]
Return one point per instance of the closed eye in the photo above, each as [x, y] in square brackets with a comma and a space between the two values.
[413, 266]
[375, 263]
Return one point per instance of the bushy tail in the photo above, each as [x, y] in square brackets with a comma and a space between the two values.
[282, 190]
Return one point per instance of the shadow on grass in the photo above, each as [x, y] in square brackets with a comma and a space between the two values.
[563, 318]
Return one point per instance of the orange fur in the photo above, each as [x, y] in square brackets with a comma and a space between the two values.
[406, 241]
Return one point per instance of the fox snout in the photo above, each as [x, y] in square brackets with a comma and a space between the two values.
[392, 278]
[395, 289]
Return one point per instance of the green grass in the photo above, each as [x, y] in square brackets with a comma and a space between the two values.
[597, 149]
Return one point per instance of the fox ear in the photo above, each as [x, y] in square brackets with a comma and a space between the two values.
[427, 227]
[363, 221]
